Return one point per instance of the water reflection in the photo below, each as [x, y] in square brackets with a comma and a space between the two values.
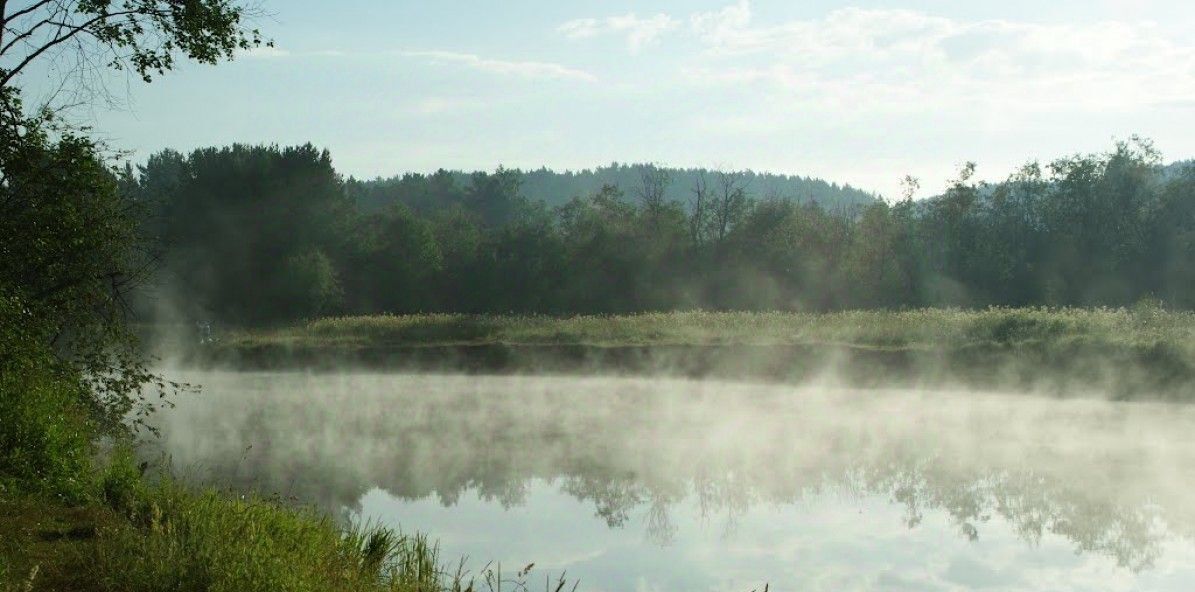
[1109, 478]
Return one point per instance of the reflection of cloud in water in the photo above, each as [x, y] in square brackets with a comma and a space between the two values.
[1110, 478]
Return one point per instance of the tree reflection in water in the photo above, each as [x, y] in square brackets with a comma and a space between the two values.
[1110, 477]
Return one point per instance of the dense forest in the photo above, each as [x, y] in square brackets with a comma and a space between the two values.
[263, 234]
[556, 188]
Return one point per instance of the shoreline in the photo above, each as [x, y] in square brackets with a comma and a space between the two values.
[1119, 371]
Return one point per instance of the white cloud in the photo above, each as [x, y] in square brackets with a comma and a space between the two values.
[726, 26]
[907, 59]
[897, 60]
[271, 53]
[524, 69]
[639, 32]
[264, 52]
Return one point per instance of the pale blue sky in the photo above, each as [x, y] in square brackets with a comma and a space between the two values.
[858, 92]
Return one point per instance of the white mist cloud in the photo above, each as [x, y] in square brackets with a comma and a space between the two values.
[526, 69]
[881, 58]
[894, 60]
[638, 32]
[728, 26]
[264, 52]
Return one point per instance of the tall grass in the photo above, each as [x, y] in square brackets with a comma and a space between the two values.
[11, 582]
[182, 541]
[186, 541]
[136, 535]
[923, 328]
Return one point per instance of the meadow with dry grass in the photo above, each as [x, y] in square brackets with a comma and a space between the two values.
[922, 328]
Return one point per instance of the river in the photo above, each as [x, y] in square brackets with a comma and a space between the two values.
[663, 484]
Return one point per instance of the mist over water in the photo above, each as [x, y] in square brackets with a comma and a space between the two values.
[663, 484]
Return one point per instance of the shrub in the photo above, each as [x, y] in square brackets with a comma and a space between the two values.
[121, 486]
[45, 434]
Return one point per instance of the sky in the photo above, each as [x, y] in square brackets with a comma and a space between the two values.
[854, 92]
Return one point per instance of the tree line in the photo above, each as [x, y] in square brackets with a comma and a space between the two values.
[254, 235]
[555, 188]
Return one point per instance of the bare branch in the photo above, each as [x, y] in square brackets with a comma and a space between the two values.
[653, 183]
[24, 11]
[70, 32]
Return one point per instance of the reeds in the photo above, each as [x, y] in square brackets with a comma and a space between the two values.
[181, 540]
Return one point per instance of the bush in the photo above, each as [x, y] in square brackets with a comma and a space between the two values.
[45, 444]
[121, 485]
[45, 435]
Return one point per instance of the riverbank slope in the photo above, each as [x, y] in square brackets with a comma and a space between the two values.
[1144, 352]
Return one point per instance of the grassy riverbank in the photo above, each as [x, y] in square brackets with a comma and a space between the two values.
[78, 513]
[918, 329]
[1142, 352]
[126, 534]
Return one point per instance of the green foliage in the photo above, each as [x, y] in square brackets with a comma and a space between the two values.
[45, 443]
[310, 285]
[72, 254]
[120, 485]
[1089, 230]
[495, 197]
[140, 35]
[424, 193]
[522, 266]
[185, 541]
[72, 250]
[394, 262]
[70, 238]
[244, 221]
[45, 435]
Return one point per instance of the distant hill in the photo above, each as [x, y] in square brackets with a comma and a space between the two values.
[1175, 169]
[557, 188]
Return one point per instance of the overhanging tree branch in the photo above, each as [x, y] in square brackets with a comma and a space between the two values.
[60, 37]
[24, 11]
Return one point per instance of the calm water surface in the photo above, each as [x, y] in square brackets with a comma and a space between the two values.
[653, 484]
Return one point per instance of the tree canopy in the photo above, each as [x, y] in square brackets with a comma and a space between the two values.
[238, 222]
[143, 36]
[74, 236]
